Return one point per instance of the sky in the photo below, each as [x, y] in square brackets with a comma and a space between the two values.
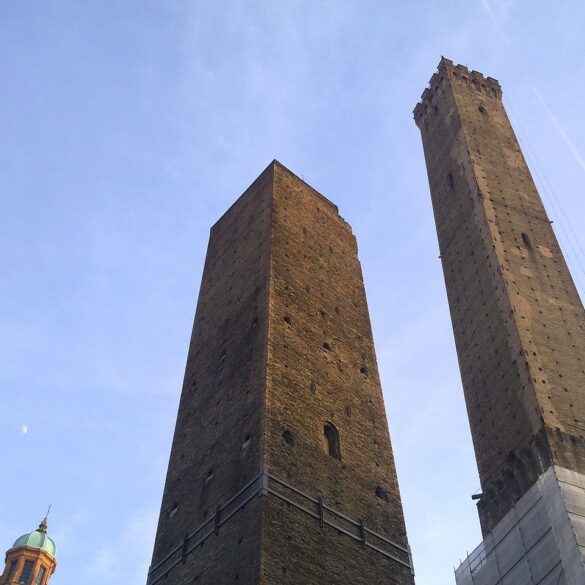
[129, 127]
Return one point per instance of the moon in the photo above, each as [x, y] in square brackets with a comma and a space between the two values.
[24, 429]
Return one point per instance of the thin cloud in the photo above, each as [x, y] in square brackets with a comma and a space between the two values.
[496, 21]
[567, 140]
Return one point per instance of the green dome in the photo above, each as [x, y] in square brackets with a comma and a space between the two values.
[37, 539]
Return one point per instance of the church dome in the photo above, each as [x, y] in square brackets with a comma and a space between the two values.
[38, 539]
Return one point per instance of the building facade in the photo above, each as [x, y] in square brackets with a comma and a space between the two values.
[519, 328]
[281, 469]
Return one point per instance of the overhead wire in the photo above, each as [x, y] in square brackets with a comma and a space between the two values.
[570, 236]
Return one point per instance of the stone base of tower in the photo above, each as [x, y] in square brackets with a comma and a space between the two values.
[540, 541]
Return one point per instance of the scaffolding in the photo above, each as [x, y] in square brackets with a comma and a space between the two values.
[540, 541]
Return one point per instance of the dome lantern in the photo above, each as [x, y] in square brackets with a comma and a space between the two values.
[32, 558]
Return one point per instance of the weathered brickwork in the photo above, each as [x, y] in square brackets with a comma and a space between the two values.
[281, 380]
[518, 322]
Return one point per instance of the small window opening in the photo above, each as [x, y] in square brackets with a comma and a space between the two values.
[246, 443]
[287, 319]
[526, 241]
[326, 347]
[382, 494]
[483, 110]
[288, 438]
[209, 475]
[364, 371]
[331, 440]
[451, 181]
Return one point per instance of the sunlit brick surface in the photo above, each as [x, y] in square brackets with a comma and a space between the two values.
[282, 346]
[518, 321]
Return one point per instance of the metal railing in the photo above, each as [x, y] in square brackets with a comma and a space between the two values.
[265, 484]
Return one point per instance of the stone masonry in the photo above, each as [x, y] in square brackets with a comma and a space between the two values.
[518, 322]
[281, 470]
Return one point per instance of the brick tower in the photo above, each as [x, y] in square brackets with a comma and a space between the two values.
[519, 327]
[281, 470]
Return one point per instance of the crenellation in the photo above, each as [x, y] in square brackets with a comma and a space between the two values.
[446, 70]
[472, 78]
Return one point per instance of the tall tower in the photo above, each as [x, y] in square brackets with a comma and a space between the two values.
[518, 322]
[281, 470]
[31, 560]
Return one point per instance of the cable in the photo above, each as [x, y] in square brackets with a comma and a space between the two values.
[554, 203]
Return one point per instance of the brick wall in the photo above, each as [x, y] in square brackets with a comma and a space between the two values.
[518, 321]
[281, 347]
[322, 368]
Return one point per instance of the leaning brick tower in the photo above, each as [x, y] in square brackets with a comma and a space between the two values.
[281, 469]
[519, 329]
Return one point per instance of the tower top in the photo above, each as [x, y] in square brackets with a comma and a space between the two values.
[275, 167]
[447, 70]
[38, 539]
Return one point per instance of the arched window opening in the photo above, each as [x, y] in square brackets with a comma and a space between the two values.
[331, 440]
[12, 571]
[382, 494]
[26, 573]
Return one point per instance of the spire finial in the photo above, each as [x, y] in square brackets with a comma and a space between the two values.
[44, 524]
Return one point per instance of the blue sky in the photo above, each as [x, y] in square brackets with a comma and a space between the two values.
[128, 127]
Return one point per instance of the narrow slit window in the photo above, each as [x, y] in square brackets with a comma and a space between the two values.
[331, 441]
